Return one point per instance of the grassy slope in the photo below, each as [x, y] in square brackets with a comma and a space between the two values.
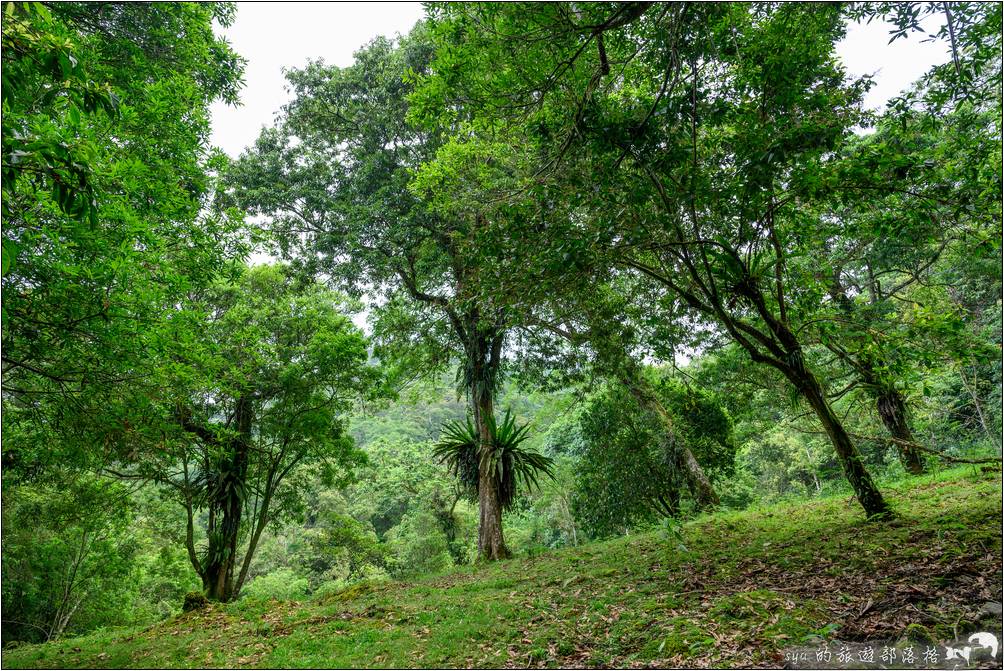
[746, 585]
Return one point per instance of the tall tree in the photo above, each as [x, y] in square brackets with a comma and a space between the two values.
[261, 375]
[332, 178]
[105, 177]
[924, 187]
[685, 136]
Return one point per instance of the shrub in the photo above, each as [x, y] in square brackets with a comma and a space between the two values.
[419, 544]
[194, 601]
[282, 585]
[328, 589]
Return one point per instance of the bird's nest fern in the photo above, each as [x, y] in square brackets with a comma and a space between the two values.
[507, 462]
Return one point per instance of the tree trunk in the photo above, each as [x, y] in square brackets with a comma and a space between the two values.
[252, 544]
[63, 619]
[892, 409]
[792, 365]
[889, 402]
[700, 487]
[218, 577]
[867, 493]
[193, 557]
[491, 545]
[614, 360]
[571, 518]
[219, 568]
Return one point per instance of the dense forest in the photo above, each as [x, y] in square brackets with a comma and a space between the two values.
[538, 275]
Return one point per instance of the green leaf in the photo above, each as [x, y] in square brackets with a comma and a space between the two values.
[9, 252]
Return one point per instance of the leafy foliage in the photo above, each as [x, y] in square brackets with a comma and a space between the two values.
[629, 474]
[83, 552]
[257, 389]
[505, 461]
[697, 149]
[106, 172]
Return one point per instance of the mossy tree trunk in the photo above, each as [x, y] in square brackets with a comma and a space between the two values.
[227, 509]
[483, 367]
[892, 409]
[226, 499]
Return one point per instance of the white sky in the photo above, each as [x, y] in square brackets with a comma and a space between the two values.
[274, 35]
[277, 35]
[866, 50]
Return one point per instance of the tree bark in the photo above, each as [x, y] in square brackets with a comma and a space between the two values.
[787, 357]
[64, 619]
[491, 544]
[779, 348]
[253, 544]
[867, 493]
[892, 409]
[790, 361]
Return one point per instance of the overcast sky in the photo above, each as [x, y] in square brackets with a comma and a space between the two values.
[277, 35]
[274, 35]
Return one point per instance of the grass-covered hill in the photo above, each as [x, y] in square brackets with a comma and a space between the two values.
[730, 589]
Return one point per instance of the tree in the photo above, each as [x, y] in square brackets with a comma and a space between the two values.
[972, 32]
[338, 548]
[402, 491]
[261, 373]
[716, 126]
[105, 177]
[920, 189]
[627, 476]
[67, 556]
[333, 180]
[45, 78]
[609, 322]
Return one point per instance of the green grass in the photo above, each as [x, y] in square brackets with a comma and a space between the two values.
[735, 590]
